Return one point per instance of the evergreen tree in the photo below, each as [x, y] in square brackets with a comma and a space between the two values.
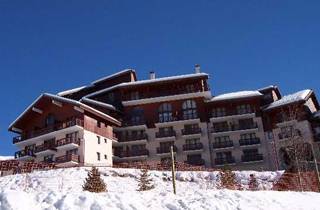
[93, 182]
[253, 184]
[145, 182]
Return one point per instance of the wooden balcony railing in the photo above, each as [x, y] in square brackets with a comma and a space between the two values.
[251, 158]
[165, 134]
[223, 144]
[253, 141]
[191, 131]
[48, 129]
[195, 162]
[224, 161]
[235, 127]
[69, 140]
[129, 138]
[161, 150]
[190, 147]
[231, 113]
[67, 158]
[44, 147]
[132, 153]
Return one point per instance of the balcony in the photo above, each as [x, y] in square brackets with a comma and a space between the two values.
[193, 147]
[67, 160]
[166, 150]
[49, 129]
[249, 142]
[166, 134]
[67, 143]
[138, 138]
[222, 145]
[45, 149]
[224, 161]
[132, 153]
[235, 127]
[252, 158]
[195, 162]
[231, 115]
[191, 131]
[130, 123]
[24, 154]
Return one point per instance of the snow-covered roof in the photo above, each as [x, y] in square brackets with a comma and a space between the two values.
[113, 75]
[236, 95]
[148, 81]
[98, 103]
[268, 87]
[67, 92]
[66, 100]
[288, 99]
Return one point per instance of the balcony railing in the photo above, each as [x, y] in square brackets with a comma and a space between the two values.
[68, 158]
[190, 147]
[69, 140]
[48, 129]
[191, 131]
[162, 150]
[132, 153]
[195, 162]
[224, 161]
[165, 134]
[252, 158]
[24, 153]
[128, 122]
[130, 138]
[234, 113]
[245, 142]
[224, 144]
[44, 147]
[235, 127]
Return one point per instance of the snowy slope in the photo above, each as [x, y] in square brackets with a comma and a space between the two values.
[61, 189]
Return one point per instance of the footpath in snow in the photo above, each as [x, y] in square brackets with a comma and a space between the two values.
[61, 189]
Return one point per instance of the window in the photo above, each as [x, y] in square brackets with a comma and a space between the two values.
[248, 136]
[134, 95]
[220, 126]
[224, 155]
[48, 158]
[137, 116]
[105, 157]
[98, 156]
[98, 124]
[193, 141]
[250, 152]
[189, 109]
[111, 97]
[105, 140]
[222, 139]
[98, 137]
[72, 152]
[219, 112]
[165, 112]
[190, 88]
[71, 136]
[166, 129]
[244, 109]
[50, 120]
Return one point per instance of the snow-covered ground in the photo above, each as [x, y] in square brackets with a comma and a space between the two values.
[62, 189]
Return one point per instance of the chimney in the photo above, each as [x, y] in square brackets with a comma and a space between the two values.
[152, 75]
[197, 68]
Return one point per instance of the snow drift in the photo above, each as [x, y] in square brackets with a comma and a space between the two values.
[61, 189]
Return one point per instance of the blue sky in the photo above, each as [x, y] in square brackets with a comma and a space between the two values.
[49, 46]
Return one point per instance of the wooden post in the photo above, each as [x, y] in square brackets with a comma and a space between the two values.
[173, 171]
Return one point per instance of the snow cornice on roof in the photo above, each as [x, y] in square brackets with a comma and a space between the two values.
[65, 100]
[299, 96]
[236, 95]
[74, 90]
[112, 76]
[98, 103]
[148, 81]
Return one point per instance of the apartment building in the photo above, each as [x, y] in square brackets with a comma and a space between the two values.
[143, 118]
[64, 131]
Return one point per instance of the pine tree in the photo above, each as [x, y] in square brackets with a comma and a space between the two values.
[93, 182]
[228, 180]
[145, 182]
[253, 184]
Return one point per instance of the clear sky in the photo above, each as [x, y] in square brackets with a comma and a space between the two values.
[49, 46]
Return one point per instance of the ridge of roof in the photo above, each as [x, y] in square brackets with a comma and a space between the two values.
[112, 75]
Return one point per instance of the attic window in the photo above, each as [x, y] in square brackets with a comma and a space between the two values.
[50, 120]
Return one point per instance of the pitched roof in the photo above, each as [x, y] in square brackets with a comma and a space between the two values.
[292, 98]
[236, 95]
[65, 100]
[148, 81]
[70, 91]
[98, 103]
[113, 75]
